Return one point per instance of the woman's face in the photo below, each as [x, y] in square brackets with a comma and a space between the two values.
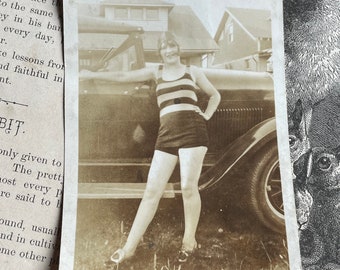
[169, 51]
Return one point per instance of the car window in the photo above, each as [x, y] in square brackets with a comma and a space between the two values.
[109, 52]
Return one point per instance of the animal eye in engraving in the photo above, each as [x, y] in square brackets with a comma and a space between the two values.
[324, 163]
[292, 140]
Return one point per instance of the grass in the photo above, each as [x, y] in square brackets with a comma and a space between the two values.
[226, 242]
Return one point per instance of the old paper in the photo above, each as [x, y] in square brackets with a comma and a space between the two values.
[313, 102]
[31, 133]
[111, 129]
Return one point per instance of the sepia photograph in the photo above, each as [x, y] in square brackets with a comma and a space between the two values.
[177, 153]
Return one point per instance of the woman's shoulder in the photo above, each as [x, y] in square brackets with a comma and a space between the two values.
[154, 69]
[194, 71]
[148, 72]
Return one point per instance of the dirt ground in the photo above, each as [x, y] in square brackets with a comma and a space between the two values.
[228, 238]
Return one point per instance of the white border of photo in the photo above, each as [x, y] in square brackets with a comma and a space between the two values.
[71, 123]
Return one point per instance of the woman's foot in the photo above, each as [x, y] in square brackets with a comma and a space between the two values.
[186, 253]
[120, 255]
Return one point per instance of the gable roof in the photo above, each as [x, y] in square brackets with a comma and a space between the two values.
[257, 23]
[189, 31]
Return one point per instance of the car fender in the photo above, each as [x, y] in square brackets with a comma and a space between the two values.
[246, 145]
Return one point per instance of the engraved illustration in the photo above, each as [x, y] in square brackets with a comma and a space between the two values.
[313, 94]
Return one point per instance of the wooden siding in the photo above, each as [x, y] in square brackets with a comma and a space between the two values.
[242, 45]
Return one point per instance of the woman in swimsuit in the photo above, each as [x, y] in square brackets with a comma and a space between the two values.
[182, 136]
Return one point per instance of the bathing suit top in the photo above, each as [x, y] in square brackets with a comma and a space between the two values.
[176, 95]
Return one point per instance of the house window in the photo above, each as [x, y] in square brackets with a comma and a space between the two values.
[121, 13]
[152, 14]
[136, 14]
[230, 32]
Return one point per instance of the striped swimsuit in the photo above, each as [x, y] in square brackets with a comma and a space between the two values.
[180, 125]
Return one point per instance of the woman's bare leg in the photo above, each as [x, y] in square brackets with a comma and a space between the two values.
[162, 166]
[191, 160]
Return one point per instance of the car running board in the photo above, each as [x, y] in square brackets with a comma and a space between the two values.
[119, 190]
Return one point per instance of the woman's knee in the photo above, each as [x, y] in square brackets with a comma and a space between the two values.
[189, 189]
[152, 193]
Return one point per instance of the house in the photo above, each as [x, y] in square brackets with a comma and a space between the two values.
[151, 15]
[154, 16]
[244, 37]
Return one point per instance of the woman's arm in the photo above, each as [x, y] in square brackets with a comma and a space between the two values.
[138, 75]
[210, 90]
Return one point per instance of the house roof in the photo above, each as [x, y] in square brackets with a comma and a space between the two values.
[255, 22]
[181, 18]
[153, 3]
[189, 30]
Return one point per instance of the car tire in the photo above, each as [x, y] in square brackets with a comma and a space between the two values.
[265, 193]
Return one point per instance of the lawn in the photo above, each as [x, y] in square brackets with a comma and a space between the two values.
[228, 238]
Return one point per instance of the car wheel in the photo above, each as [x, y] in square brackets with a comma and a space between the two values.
[265, 189]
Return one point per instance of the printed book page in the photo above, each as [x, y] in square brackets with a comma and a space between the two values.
[112, 125]
[31, 133]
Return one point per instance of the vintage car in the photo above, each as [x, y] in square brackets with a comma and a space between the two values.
[118, 125]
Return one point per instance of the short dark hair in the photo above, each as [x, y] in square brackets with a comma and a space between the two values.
[167, 37]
